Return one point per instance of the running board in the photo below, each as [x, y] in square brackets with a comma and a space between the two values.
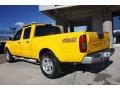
[29, 60]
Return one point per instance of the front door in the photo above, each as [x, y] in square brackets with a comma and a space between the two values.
[16, 44]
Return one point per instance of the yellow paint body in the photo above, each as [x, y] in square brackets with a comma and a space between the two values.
[64, 51]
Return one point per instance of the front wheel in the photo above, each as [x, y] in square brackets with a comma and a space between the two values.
[49, 65]
[8, 56]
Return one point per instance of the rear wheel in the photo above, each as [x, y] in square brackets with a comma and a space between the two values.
[8, 56]
[49, 65]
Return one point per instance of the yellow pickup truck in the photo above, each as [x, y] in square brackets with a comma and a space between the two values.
[50, 46]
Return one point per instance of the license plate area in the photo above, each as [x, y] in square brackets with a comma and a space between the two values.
[106, 54]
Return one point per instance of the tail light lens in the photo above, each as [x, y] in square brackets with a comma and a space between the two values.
[83, 43]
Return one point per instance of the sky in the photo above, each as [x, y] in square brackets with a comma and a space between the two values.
[11, 16]
[14, 15]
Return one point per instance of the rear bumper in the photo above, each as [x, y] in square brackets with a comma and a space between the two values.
[98, 57]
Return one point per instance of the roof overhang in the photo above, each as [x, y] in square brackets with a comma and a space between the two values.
[52, 7]
[75, 13]
[72, 13]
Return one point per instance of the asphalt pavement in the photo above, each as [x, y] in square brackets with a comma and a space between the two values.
[26, 73]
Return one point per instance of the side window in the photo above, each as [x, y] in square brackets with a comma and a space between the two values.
[17, 35]
[27, 33]
[46, 30]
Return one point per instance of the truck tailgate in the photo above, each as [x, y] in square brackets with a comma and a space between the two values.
[94, 43]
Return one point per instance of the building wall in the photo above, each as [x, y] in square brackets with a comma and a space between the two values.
[101, 22]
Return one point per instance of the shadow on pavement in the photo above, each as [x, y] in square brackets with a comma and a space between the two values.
[117, 79]
[70, 68]
[93, 68]
[103, 77]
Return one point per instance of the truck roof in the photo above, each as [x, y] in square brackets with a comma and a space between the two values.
[33, 23]
[38, 24]
[61, 28]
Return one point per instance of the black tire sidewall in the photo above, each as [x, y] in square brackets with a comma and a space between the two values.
[55, 62]
[10, 57]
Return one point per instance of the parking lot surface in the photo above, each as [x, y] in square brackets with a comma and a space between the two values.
[24, 73]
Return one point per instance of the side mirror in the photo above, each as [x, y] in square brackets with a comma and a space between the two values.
[10, 38]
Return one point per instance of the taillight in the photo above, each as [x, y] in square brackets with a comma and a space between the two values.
[83, 43]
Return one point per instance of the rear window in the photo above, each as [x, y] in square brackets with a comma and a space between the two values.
[46, 30]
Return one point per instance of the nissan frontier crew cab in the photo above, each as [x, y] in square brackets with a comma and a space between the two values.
[50, 46]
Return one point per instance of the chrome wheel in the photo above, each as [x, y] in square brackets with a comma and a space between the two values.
[47, 65]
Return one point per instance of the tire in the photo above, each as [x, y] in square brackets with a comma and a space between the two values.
[50, 65]
[8, 56]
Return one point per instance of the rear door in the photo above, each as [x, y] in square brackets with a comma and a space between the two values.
[25, 42]
[96, 43]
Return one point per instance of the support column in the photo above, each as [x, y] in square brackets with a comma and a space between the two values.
[62, 21]
[107, 25]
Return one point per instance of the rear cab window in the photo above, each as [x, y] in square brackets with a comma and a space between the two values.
[46, 30]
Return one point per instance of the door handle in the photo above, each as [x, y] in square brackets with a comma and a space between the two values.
[27, 41]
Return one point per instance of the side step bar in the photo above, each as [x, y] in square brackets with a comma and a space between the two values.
[28, 60]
